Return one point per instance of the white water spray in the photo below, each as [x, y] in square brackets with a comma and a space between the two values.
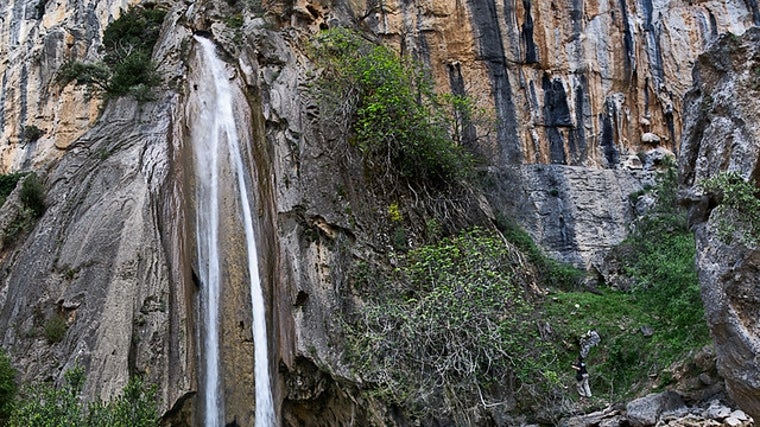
[214, 134]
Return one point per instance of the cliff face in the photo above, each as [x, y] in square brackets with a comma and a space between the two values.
[580, 85]
[721, 135]
[575, 82]
[591, 84]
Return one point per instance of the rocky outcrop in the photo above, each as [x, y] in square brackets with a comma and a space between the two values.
[576, 213]
[36, 38]
[720, 135]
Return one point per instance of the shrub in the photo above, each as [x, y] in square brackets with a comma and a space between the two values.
[8, 183]
[8, 388]
[55, 329]
[33, 195]
[450, 328]
[384, 101]
[43, 405]
[126, 68]
[32, 133]
[738, 210]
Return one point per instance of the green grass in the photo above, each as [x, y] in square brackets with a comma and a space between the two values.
[626, 362]
[659, 255]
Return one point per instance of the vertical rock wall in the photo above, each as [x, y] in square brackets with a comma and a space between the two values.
[36, 38]
[574, 82]
[721, 134]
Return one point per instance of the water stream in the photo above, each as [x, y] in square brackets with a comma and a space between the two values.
[215, 134]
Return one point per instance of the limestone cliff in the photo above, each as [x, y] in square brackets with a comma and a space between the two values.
[576, 84]
[721, 135]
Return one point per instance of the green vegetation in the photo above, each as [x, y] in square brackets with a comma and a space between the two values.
[551, 272]
[55, 329]
[450, 328]
[7, 184]
[32, 133]
[126, 68]
[738, 212]
[33, 195]
[388, 109]
[8, 388]
[665, 299]
[48, 406]
[454, 327]
[32, 198]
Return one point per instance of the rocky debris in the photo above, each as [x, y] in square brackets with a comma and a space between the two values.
[646, 410]
[720, 134]
[660, 410]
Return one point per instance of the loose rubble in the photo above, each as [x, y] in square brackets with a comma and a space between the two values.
[663, 409]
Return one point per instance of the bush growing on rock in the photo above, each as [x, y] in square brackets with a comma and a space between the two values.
[43, 405]
[738, 211]
[126, 67]
[8, 388]
[386, 106]
[33, 195]
[450, 330]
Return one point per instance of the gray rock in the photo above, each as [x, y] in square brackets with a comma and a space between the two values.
[646, 411]
[720, 133]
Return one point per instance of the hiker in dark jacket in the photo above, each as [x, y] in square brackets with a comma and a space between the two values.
[581, 374]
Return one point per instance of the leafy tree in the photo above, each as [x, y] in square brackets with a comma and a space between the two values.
[387, 104]
[449, 330]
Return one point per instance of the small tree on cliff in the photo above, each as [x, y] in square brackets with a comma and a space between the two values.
[126, 67]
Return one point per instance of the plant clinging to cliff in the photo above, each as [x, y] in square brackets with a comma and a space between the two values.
[8, 387]
[388, 108]
[126, 67]
[738, 210]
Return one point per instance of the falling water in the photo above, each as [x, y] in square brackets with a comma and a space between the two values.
[216, 133]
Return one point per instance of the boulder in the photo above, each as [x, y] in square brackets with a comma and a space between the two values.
[646, 411]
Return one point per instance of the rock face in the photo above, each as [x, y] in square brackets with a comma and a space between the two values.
[575, 82]
[577, 213]
[103, 258]
[581, 83]
[572, 84]
[720, 135]
[36, 38]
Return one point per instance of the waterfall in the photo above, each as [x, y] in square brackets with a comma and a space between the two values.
[215, 134]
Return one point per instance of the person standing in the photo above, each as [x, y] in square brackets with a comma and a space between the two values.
[581, 375]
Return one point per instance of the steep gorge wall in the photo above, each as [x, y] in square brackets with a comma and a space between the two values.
[575, 82]
[36, 38]
[594, 84]
[571, 83]
[721, 134]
